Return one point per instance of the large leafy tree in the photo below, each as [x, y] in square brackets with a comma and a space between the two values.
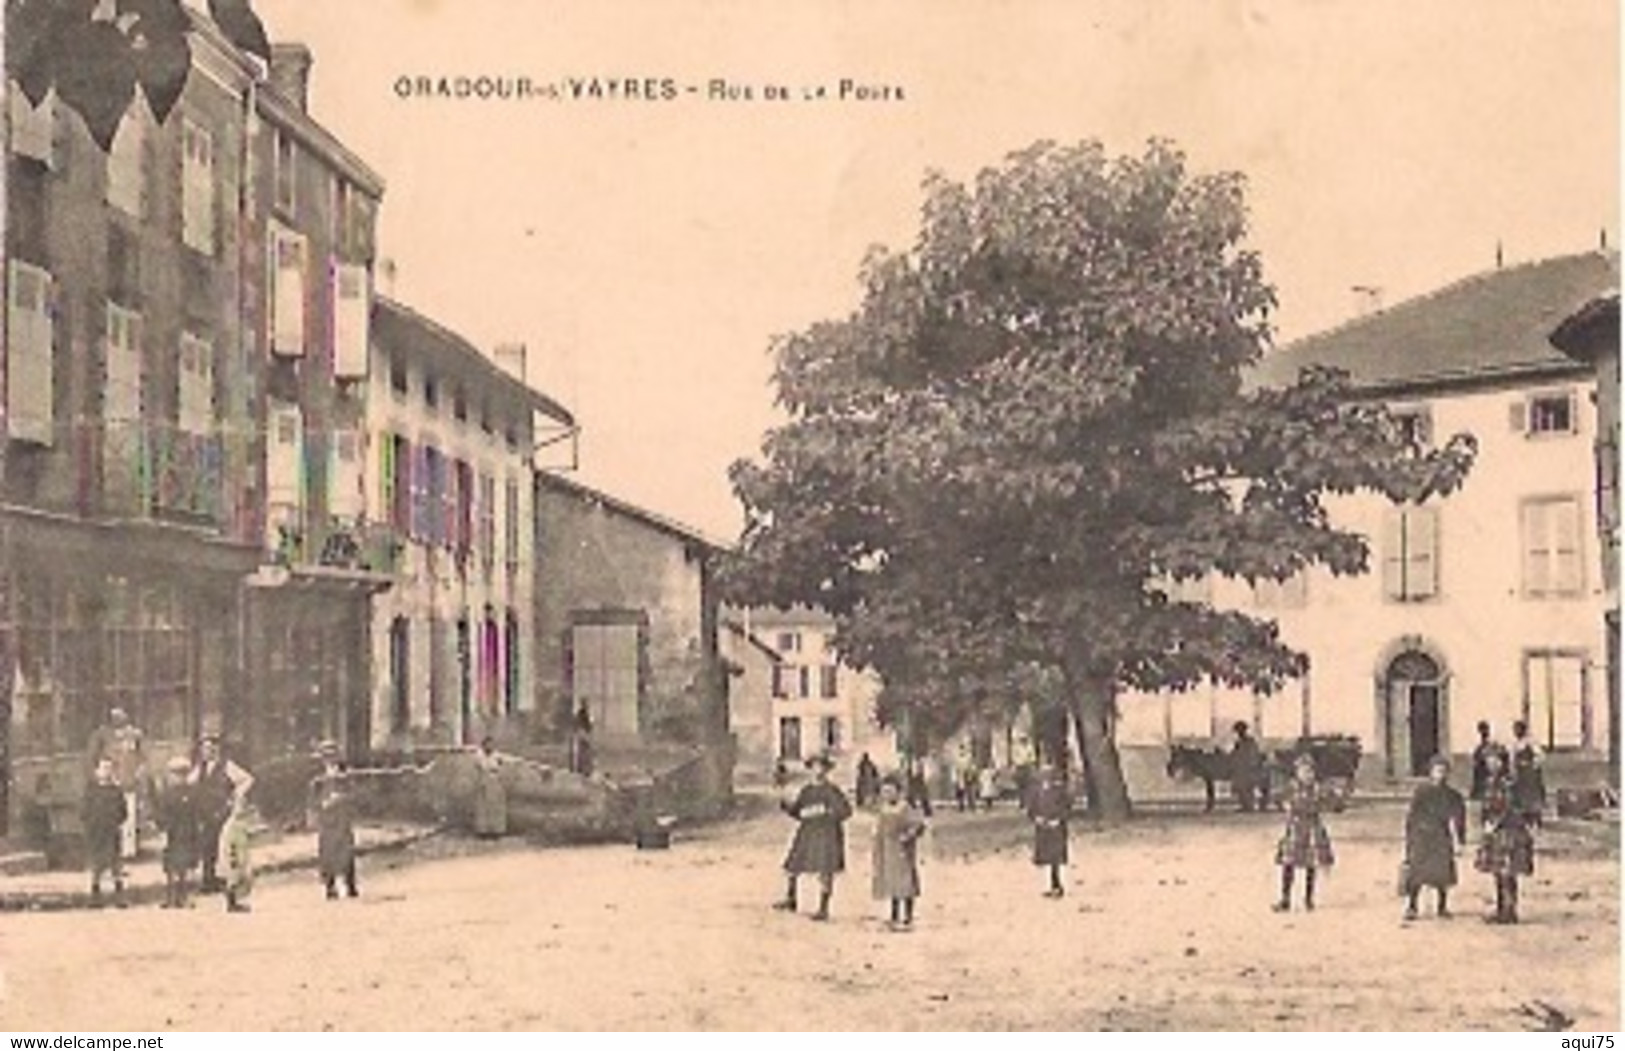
[97, 54]
[1035, 419]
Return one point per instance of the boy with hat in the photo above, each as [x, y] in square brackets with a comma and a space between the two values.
[819, 847]
[105, 811]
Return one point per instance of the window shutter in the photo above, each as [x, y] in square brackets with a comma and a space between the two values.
[385, 511]
[1393, 553]
[30, 387]
[344, 494]
[33, 128]
[351, 318]
[1564, 526]
[1537, 545]
[1574, 413]
[1518, 416]
[1568, 688]
[285, 467]
[288, 305]
[1421, 552]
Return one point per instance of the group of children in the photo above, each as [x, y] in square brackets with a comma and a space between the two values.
[1435, 829]
[204, 814]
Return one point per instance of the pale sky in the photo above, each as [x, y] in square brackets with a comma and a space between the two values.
[648, 251]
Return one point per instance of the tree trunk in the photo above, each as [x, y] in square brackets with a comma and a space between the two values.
[1091, 698]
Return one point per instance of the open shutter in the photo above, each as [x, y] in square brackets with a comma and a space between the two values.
[344, 493]
[1568, 689]
[1393, 553]
[1518, 416]
[1564, 526]
[385, 510]
[351, 321]
[1421, 552]
[30, 365]
[288, 292]
[1537, 545]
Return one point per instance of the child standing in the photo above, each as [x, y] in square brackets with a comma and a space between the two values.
[181, 822]
[819, 847]
[234, 847]
[105, 812]
[1507, 850]
[335, 824]
[1435, 825]
[898, 828]
[1305, 843]
[1048, 806]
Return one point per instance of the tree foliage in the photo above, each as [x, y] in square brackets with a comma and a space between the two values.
[1035, 418]
[97, 54]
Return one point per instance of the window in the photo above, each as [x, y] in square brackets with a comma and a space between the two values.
[1291, 593]
[395, 483]
[287, 292]
[1551, 547]
[30, 361]
[345, 498]
[789, 642]
[511, 526]
[1415, 423]
[121, 394]
[805, 675]
[459, 407]
[33, 128]
[400, 675]
[511, 645]
[1546, 413]
[432, 524]
[287, 175]
[782, 674]
[790, 738]
[352, 312]
[488, 521]
[830, 733]
[463, 520]
[284, 475]
[126, 165]
[197, 188]
[196, 396]
[431, 392]
[1410, 554]
[397, 378]
[417, 476]
[828, 681]
[606, 674]
[1555, 704]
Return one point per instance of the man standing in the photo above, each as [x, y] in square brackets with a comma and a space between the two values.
[218, 783]
[1481, 764]
[120, 741]
[1246, 767]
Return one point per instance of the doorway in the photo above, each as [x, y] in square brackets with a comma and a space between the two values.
[1413, 714]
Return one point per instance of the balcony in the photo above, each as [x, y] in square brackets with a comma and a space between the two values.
[299, 538]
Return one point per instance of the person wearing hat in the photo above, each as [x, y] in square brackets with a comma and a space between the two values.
[122, 742]
[335, 823]
[1048, 804]
[819, 847]
[179, 820]
[1507, 850]
[1304, 844]
[219, 782]
[1435, 826]
[1246, 768]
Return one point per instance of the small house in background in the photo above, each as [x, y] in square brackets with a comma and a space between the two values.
[628, 614]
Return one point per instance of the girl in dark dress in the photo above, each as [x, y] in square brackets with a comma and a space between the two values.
[105, 812]
[182, 825]
[335, 824]
[1528, 780]
[1507, 850]
[1048, 805]
[819, 847]
[1434, 827]
[1305, 843]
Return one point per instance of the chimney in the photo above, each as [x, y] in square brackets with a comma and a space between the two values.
[290, 73]
[511, 358]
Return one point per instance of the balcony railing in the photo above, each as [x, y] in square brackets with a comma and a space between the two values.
[299, 538]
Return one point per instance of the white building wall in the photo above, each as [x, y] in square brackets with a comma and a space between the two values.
[1480, 624]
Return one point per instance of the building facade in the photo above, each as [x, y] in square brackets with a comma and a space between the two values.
[627, 622]
[1485, 605]
[805, 702]
[448, 445]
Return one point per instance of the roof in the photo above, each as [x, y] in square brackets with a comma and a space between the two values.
[672, 527]
[751, 639]
[1494, 325]
[402, 330]
[1589, 331]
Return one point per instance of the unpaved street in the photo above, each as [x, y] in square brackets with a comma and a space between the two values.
[1167, 926]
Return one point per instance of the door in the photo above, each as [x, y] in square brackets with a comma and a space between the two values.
[1423, 726]
[606, 670]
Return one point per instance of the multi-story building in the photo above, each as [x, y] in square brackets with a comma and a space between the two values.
[449, 442]
[806, 702]
[1486, 604]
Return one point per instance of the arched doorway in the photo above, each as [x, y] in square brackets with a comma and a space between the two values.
[1414, 713]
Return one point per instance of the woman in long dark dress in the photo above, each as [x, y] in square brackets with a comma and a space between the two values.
[1434, 827]
[1048, 805]
[1507, 850]
[1304, 844]
[1528, 779]
[819, 846]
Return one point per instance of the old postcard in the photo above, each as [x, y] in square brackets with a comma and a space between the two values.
[823, 516]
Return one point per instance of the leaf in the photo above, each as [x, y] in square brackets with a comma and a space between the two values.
[162, 65]
[241, 26]
[99, 81]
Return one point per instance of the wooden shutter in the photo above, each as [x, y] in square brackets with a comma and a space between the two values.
[286, 454]
[1564, 532]
[351, 321]
[121, 401]
[288, 294]
[1568, 702]
[30, 361]
[1421, 552]
[385, 511]
[1537, 547]
[1518, 415]
[1393, 553]
[344, 492]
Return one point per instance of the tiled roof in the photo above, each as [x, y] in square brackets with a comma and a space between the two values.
[598, 498]
[401, 330]
[1496, 324]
